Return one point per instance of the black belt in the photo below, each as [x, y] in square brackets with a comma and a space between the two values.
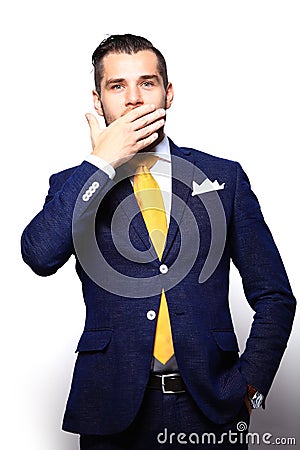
[169, 383]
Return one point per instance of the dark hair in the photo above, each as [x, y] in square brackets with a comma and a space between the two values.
[125, 43]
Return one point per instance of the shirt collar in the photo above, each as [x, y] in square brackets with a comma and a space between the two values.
[162, 150]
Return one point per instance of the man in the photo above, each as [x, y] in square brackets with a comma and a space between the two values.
[153, 228]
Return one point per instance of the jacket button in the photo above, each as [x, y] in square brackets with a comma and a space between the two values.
[151, 315]
[163, 269]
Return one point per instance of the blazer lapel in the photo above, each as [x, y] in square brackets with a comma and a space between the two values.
[182, 176]
[125, 197]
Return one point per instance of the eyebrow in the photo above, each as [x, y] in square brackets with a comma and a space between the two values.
[149, 77]
[111, 81]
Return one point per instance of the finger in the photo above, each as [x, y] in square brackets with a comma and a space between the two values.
[140, 145]
[148, 119]
[138, 112]
[150, 129]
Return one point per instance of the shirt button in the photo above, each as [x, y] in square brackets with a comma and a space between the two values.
[151, 315]
[163, 269]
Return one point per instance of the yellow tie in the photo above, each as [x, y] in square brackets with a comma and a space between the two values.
[150, 201]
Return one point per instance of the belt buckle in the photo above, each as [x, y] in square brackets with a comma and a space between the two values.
[163, 384]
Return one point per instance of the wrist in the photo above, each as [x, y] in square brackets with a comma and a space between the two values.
[101, 164]
[255, 397]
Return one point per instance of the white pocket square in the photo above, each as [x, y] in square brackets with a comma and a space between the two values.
[206, 186]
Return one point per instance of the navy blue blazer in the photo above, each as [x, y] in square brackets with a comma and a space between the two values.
[122, 280]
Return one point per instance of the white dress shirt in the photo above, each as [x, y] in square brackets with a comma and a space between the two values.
[161, 171]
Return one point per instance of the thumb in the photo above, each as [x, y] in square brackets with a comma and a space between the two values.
[94, 125]
[93, 122]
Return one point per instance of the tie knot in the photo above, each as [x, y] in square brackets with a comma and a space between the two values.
[143, 160]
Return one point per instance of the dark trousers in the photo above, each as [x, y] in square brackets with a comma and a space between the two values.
[172, 421]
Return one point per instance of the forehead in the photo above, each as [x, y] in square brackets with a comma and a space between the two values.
[123, 65]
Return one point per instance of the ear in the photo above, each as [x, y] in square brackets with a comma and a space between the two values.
[169, 95]
[97, 103]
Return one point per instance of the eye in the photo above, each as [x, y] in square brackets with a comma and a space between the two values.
[148, 84]
[116, 87]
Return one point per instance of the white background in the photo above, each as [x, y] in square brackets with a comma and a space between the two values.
[235, 69]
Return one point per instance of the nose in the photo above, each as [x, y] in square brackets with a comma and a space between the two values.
[133, 96]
